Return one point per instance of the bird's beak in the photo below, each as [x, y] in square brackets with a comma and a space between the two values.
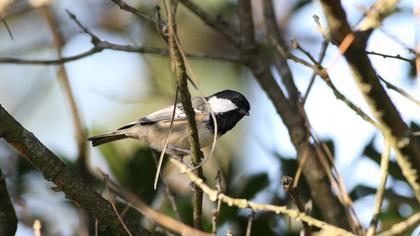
[244, 112]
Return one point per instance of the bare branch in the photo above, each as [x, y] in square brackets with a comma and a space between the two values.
[322, 72]
[293, 116]
[163, 220]
[100, 45]
[394, 128]
[403, 226]
[381, 188]
[126, 7]
[111, 199]
[322, 54]
[280, 61]
[398, 56]
[399, 90]
[218, 205]
[376, 14]
[182, 82]
[249, 225]
[288, 187]
[244, 203]
[223, 29]
[56, 171]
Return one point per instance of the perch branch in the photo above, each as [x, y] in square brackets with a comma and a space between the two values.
[293, 117]
[56, 171]
[185, 98]
[214, 195]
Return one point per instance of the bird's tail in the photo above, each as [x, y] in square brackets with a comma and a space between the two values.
[106, 138]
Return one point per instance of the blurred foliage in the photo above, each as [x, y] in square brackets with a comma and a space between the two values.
[397, 206]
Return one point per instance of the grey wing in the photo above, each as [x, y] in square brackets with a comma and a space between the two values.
[165, 114]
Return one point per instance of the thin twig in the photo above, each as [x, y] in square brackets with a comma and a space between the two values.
[9, 31]
[163, 220]
[338, 182]
[196, 154]
[168, 191]
[126, 7]
[400, 91]
[288, 187]
[381, 188]
[162, 153]
[219, 203]
[279, 60]
[401, 227]
[398, 56]
[111, 199]
[79, 131]
[222, 28]
[249, 225]
[393, 126]
[325, 76]
[244, 203]
[322, 54]
[296, 45]
[100, 45]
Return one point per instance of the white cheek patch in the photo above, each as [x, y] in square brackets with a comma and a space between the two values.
[219, 105]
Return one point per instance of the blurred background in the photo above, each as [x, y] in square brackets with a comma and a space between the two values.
[113, 88]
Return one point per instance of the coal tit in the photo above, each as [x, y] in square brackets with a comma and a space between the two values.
[228, 107]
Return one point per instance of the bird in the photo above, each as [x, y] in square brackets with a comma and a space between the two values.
[228, 107]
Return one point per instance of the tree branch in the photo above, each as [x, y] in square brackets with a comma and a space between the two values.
[403, 226]
[214, 195]
[223, 29]
[399, 90]
[394, 128]
[280, 61]
[56, 171]
[102, 45]
[381, 189]
[161, 219]
[293, 117]
[182, 83]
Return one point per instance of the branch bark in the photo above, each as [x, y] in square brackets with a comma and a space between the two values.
[182, 83]
[214, 195]
[66, 181]
[8, 220]
[293, 117]
[395, 130]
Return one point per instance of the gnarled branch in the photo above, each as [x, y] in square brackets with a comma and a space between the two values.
[54, 170]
